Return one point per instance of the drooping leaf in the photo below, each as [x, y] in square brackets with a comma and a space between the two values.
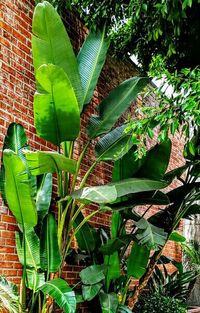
[51, 45]
[92, 275]
[32, 248]
[109, 302]
[86, 236]
[49, 251]
[35, 279]
[62, 294]
[42, 162]
[114, 144]
[113, 106]
[149, 235]
[109, 193]
[177, 172]
[137, 261]
[18, 188]
[91, 59]
[112, 265]
[175, 236]
[90, 291]
[102, 194]
[144, 198]
[56, 110]
[43, 196]
[134, 185]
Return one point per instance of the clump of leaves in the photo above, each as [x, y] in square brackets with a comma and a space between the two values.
[178, 107]
[158, 303]
[9, 299]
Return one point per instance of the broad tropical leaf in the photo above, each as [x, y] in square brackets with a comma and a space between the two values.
[137, 261]
[49, 251]
[156, 161]
[149, 235]
[109, 193]
[15, 140]
[51, 45]
[32, 248]
[93, 274]
[18, 188]
[91, 59]
[63, 295]
[56, 110]
[112, 107]
[35, 279]
[43, 196]
[90, 291]
[112, 266]
[114, 144]
[109, 302]
[101, 194]
[86, 236]
[42, 162]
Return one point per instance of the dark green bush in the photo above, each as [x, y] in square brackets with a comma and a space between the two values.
[158, 303]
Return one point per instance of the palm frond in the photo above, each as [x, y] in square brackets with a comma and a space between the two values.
[9, 299]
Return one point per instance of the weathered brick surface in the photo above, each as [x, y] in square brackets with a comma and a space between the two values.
[16, 96]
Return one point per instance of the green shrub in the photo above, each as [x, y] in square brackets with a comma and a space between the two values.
[158, 303]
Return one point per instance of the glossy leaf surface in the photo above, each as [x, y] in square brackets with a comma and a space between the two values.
[41, 162]
[18, 189]
[56, 110]
[90, 61]
[51, 45]
[109, 302]
[90, 291]
[137, 261]
[113, 106]
[62, 294]
[92, 275]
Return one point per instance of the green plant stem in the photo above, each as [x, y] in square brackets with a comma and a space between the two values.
[87, 174]
[77, 213]
[124, 294]
[79, 164]
[86, 219]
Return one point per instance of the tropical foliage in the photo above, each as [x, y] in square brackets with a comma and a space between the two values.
[65, 85]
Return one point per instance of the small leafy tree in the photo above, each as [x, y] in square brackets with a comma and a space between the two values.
[65, 85]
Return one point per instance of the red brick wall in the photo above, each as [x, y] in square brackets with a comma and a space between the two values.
[17, 91]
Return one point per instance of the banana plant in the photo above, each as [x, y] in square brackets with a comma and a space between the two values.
[64, 86]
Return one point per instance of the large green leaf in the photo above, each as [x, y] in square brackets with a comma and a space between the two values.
[149, 235]
[101, 194]
[109, 193]
[51, 44]
[114, 245]
[112, 107]
[18, 188]
[90, 60]
[175, 236]
[49, 251]
[32, 248]
[86, 236]
[134, 185]
[42, 162]
[144, 198]
[35, 279]
[56, 111]
[92, 275]
[90, 291]
[114, 144]
[109, 302]
[15, 140]
[43, 196]
[63, 295]
[156, 161]
[112, 265]
[137, 261]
